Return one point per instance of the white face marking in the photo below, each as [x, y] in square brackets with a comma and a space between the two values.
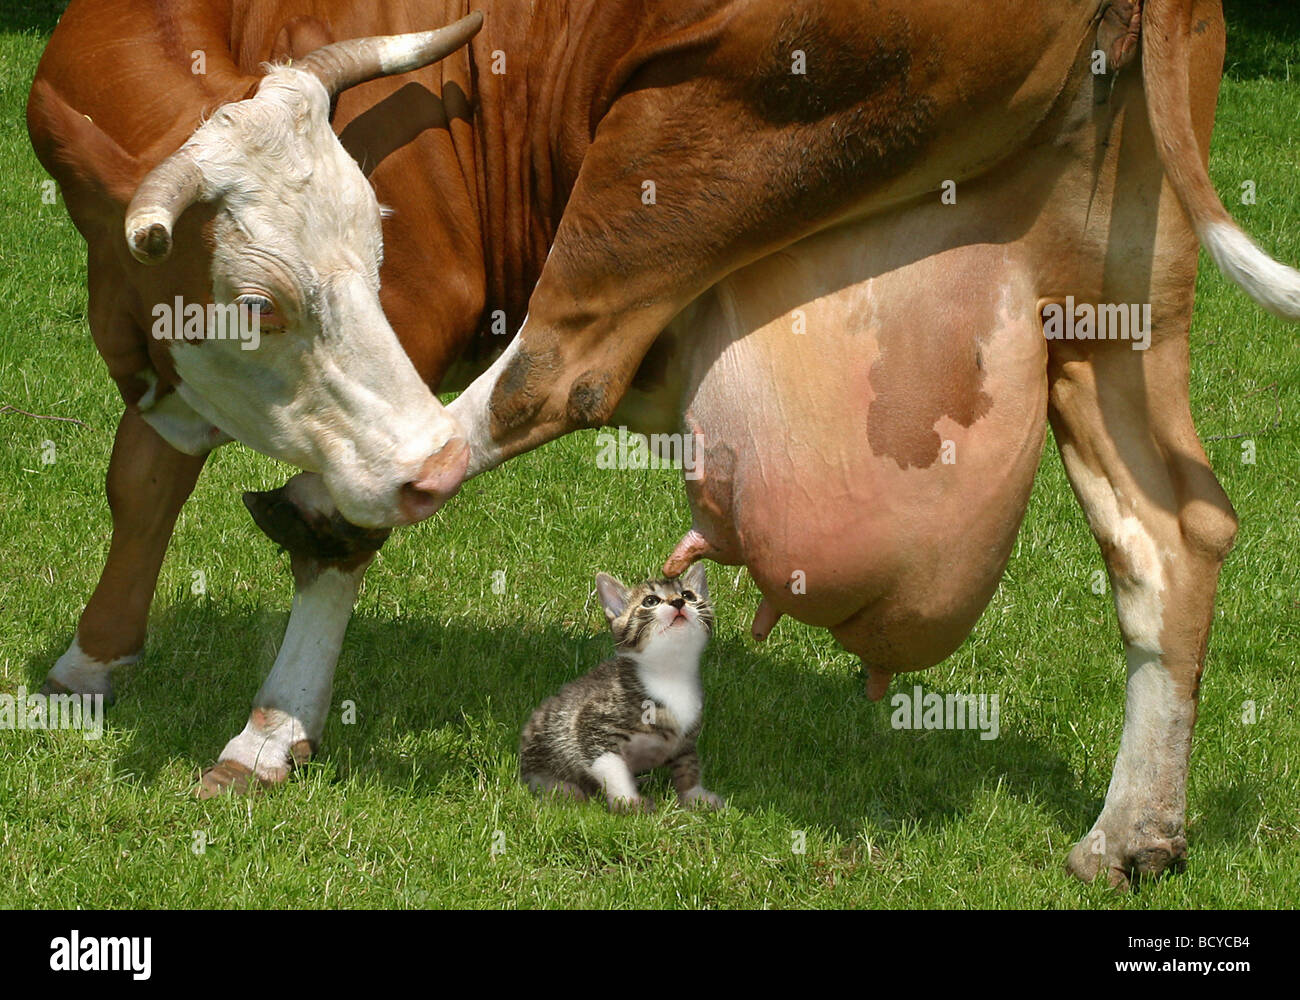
[329, 387]
[299, 685]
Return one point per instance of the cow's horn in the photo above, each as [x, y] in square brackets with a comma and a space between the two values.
[345, 64]
[169, 189]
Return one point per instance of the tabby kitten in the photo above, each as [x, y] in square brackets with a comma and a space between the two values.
[635, 712]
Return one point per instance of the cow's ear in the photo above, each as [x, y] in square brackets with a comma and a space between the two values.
[87, 163]
[613, 595]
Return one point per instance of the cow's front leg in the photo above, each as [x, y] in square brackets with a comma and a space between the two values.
[661, 211]
[148, 483]
[329, 559]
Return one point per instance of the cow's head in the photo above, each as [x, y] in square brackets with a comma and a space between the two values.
[296, 252]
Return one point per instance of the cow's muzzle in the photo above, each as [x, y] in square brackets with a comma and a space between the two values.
[439, 480]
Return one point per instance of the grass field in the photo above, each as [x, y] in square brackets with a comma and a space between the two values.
[417, 804]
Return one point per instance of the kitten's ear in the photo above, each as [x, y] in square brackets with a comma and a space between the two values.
[613, 595]
[693, 579]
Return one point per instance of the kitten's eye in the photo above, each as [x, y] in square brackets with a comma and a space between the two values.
[688, 595]
[650, 601]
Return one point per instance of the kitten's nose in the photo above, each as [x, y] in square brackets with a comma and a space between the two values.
[678, 602]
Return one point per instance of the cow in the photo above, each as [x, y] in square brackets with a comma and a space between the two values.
[833, 239]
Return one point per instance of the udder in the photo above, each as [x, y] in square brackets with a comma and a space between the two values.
[870, 434]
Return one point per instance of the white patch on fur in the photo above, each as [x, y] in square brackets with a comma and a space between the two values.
[333, 392]
[611, 771]
[1138, 595]
[83, 674]
[1272, 284]
[296, 694]
[669, 669]
[1155, 721]
[176, 422]
[471, 413]
[470, 409]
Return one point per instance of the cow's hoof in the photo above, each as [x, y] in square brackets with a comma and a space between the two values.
[53, 687]
[1126, 860]
[227, 777]
[232, 777]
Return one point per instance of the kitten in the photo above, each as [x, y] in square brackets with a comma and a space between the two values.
[635, 712]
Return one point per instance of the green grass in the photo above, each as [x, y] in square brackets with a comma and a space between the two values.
[402, 808]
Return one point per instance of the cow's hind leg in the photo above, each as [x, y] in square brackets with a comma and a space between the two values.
[329, 560]
[148, 483]
[1164, 525]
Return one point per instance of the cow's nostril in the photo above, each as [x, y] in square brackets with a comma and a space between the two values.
[417, 504]
[439, 480]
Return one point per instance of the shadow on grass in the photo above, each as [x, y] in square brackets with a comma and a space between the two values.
[31, 15]
[438, 704]
[1263, 39]
[1231, 815]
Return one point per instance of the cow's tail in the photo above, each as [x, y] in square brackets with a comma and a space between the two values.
[1166, 28]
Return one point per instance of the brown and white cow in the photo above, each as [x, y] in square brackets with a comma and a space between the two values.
[804, 156]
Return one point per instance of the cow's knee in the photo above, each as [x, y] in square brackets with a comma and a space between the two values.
[1209, 528]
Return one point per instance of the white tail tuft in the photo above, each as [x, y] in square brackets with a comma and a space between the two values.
[1275, 286]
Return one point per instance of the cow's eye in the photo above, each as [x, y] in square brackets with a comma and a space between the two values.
[689, 595]
[261, 307]
[650, 601]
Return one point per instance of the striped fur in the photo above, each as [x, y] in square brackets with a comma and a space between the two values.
[640, 710]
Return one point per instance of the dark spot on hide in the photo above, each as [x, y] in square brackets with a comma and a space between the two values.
[326, 539]
[590, 400]
[843, 65]
[854, 116]
[913, 391]
[523, 387]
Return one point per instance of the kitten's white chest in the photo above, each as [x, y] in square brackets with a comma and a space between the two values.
[673, 680]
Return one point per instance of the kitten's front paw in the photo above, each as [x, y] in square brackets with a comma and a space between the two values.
[701, 796]
[640, 804]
